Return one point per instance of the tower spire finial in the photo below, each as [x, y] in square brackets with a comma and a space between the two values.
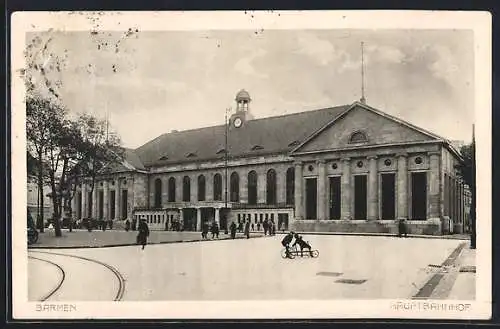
[363, 99]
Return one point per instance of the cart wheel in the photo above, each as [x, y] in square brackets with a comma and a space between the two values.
[283, 253]
[314, 253]
[291, 255]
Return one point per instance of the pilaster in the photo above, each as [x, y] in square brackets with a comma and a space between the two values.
[402, 177]
[345, 206]
[372, 213]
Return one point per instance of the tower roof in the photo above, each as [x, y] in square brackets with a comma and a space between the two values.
[243, 95]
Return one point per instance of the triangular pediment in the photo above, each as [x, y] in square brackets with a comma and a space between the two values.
[362, 125]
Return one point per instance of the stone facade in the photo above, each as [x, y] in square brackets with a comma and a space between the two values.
[361, 172]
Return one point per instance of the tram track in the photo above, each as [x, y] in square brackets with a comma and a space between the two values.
[117, 274]
[58, 286]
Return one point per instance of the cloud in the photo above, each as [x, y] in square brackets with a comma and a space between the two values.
[322, 51]
[245, 67]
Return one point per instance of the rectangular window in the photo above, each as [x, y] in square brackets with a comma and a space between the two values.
[101, 205]
[335, 197]
[311, 198]
[419, 196]
[360, 199]
[388, 196]
[124, 204]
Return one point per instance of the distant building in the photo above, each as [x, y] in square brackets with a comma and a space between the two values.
[33, 199]
[344, 168]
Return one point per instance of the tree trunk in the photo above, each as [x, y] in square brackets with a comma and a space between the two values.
[39, 220]
[56, 202]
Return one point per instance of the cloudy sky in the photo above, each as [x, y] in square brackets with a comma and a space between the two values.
[154, 82]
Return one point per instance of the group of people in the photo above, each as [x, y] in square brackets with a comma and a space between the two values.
[268, 226]
[214, 229]
[287, 240]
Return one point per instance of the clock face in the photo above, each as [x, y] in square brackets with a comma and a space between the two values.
[237, 122]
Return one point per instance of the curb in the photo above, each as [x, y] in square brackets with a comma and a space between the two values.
[135, 244]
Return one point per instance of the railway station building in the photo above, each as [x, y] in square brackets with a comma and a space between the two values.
[348, 168]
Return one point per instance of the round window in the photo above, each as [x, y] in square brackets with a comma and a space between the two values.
[418, 160]
[360, 164]
[334, 166]
[311, 168]
[387, 162]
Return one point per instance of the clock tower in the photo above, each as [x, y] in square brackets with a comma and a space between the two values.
[242, 114]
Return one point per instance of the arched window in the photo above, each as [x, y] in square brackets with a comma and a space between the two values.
[252, 187]
[235, 187]
[217, 187]
[271, 187]
[201, 188]
[358, 137]
[157, 193]
[171, 189]
[186, 189]
[290, 185]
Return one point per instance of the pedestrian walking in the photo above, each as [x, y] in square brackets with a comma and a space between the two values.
[402, 230]
[233, 230]
[127, 225]
[258, 226]
[253, 227]
[247, 229]
[273, 228]
[265, 226]
[215, 230]
[142, 236]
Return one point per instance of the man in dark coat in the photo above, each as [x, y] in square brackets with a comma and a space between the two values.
[286, 242]
[204, 231]
[402, 228]
[233, 230]
[142, 236]
[265, 226]
[247, 229]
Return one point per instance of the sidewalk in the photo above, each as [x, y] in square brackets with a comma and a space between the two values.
[464, 287]
[117, 238]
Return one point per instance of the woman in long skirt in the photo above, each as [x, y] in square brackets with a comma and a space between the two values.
[142, 236]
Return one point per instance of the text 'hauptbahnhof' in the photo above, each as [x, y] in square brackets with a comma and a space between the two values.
[350, 168]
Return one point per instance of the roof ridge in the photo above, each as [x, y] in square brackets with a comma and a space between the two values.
[303, 112]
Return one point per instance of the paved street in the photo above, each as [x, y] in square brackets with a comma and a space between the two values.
[251, 269]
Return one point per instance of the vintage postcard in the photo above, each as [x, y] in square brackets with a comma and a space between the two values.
[251, 165]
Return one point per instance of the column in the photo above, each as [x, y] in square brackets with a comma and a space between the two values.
[372, 189]
[85, 206]
[217, 216]
[345, 205]
[402, 177]
[243, 186]
[164, 192]
[105, 200]
[261, 186]
[95, 208]
[281, 185]
[198, 219]
[322, 190]
[118, 200]
[130, 198]
[434, 206]
[74, 204]
[209, 186]
[194, 189]
[299, 204]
